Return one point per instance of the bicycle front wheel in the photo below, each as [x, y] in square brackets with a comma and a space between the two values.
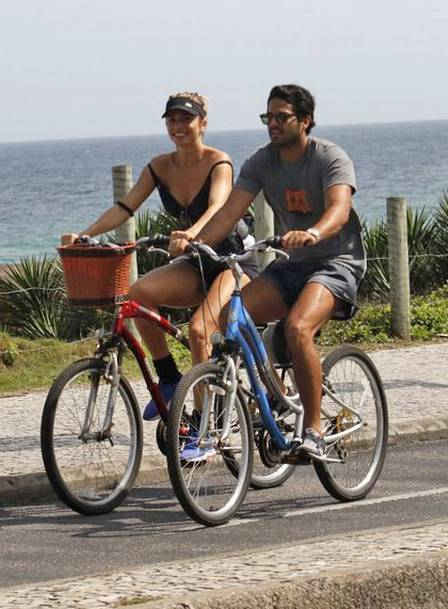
[200, 475]
[354, 461]
[90, 469]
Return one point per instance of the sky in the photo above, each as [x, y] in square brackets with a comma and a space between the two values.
[94, 68]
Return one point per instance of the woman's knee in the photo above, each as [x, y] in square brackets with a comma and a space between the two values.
[141, 292]
[198, 331]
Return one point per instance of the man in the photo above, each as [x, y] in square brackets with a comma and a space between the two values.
[309, 183]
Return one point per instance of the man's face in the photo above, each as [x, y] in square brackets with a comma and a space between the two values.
[284, 127]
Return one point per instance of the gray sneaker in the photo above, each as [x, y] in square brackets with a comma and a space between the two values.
[313, 445]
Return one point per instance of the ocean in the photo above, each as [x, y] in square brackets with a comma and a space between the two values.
[52, 187]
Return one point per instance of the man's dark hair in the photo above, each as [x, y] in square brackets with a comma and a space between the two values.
[300, 99]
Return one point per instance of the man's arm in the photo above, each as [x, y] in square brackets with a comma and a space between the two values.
[222, 223]
[338, 200]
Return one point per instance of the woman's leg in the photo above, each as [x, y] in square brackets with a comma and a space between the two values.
[175, 285]
[205, 320]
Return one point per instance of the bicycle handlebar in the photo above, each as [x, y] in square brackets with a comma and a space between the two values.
[271, 244]
[156, 242]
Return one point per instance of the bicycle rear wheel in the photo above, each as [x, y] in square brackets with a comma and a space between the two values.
[353, 378]
[204, 486]
[91, 475]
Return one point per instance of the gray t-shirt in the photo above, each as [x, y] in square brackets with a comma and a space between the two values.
[296, 193]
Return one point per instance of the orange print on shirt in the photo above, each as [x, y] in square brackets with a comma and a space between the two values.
[298, 200]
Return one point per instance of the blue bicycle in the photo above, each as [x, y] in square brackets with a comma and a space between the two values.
[245, 397]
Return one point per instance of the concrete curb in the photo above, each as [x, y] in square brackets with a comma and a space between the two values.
[31, 486]
[24, 487]
[401, 584]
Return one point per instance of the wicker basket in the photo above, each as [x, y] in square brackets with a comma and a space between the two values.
[96, 276]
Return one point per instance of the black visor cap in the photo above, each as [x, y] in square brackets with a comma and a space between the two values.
[186, 104]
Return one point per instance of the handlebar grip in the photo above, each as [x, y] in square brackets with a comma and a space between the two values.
[275, 242]
[158, 240]
[85, 240]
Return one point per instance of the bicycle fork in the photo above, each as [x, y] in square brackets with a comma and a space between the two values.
[112, 376]
[227, 388]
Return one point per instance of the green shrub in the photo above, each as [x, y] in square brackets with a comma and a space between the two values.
[32, 302]
[425, 243]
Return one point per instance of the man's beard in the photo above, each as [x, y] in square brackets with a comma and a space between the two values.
[286, 142]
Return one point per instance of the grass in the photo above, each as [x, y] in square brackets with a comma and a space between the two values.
[27, 365]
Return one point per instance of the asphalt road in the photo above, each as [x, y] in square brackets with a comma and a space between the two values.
[46, 541]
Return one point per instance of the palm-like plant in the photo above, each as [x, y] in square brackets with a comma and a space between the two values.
[376, 281]
[441, 236]
[423, 248]
[32, 298]
[150, 222]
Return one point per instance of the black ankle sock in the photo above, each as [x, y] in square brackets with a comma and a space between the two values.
[166, 369]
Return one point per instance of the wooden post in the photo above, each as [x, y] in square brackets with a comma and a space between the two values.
[122, 183]
[400, 294]
[263, 225]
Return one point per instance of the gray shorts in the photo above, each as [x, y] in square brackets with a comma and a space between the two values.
[290, 277]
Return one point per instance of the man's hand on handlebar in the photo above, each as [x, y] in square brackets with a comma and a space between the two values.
[297, 238]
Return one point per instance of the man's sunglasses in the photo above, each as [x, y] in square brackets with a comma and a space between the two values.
[279, 117]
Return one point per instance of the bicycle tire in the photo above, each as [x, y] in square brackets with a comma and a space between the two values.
[351, 373]
[85, 475]
[206, 501]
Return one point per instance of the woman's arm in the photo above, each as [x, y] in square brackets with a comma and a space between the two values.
[116, 215]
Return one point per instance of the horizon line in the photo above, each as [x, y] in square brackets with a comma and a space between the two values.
[100, 137]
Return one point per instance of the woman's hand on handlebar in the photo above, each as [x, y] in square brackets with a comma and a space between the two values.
[179, 241]
[69, 238]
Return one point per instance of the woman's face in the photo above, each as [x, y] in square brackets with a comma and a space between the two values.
[183, 127]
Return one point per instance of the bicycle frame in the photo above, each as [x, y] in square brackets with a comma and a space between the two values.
[130, 310]
[242, 330]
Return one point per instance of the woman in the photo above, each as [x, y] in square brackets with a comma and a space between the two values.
[193, 181]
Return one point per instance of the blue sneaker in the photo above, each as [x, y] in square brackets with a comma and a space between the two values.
[151, 412]
[194, 453]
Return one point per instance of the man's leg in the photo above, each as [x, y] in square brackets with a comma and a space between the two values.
[314, 306]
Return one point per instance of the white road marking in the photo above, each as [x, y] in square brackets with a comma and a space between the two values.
[365, 502]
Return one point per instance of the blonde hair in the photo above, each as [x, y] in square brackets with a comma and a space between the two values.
[199, 99]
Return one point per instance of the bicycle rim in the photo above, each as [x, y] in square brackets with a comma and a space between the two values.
[206, 488]
[351, 375]
[91, 475]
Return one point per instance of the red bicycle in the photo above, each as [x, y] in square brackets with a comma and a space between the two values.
[91, 429]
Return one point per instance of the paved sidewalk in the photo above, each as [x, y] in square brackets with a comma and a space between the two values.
[397, 567]
[383, 565]
[415, 380]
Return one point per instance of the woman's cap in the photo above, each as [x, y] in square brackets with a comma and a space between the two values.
[186, 104]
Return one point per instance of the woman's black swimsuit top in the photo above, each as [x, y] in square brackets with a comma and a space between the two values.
[190, 215]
